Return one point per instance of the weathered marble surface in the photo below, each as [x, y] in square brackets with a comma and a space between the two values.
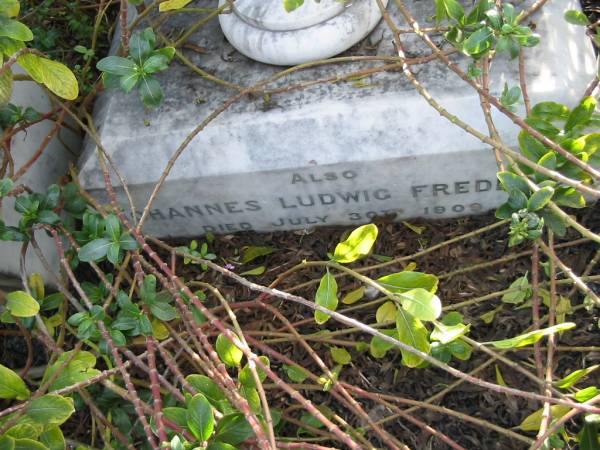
[375, 140]
[45, 171]
[265, 32]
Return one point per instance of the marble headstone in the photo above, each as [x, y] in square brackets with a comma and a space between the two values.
[331, 153]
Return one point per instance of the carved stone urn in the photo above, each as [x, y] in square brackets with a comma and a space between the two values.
[264, 31]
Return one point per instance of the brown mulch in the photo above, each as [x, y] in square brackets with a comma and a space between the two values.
[387, 375]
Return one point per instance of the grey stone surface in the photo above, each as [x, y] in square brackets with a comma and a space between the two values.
[334, 153]
[45, 171]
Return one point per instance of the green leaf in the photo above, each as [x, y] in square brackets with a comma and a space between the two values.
[510, 181]
[550, 111]
[7, 443]
[53, 439]
[155, 63]
[21, 304]
[454, 9]
[378, 347]
[256, 271]
[291, 5]
[6, 185]
[200, 419]
[448, 333]
[407, 280]
[353, 296]
[29, 444]
[94, 250]
[80, 368]
[386, 312]
[50, 409]
[128, 242]
[228, 352]
[326, 297]
[540, 198]
[576, 17]
[554, 221]
[531, 147]
[533, 421]
[588, 438]
[176, 415]
[581, 114]
[295, 373]
[11, 385]
[247, 379]
[569, 197]
[117, 65]
[216, 445]
[571, 379]
[358, 244]
[171, 5]
[479, 41]
[510, 96]
[421, 304]
[340, 355]
[14, 29]
[521, 290]
[233, 429]
[150, 91]
[532, 337]
[251, 253]
[411, 332]
[141, 45]
[57, 77]
[129, 81]
[208, 387]
[586, 394]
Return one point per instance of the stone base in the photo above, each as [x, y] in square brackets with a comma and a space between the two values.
[329, 154]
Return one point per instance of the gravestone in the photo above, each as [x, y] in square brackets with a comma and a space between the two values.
[331, 153]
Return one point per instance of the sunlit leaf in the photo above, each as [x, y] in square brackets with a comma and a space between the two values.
[353, 296]
[11, 385]
[326, 297]
[532, 337]
[413, 333]
[422, 304]
[533, 421]
[358, 244]
[200, 419]
[571, 379]
[21, 304]
[228, 352]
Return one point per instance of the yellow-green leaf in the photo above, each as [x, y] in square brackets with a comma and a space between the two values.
[499, 377]
[353, 296]
[228, 352]
[11, 385]
[171, 5]
[10, 8]
[532, 337]
[533, 421]
[36, 285]
[407, 280]
[386, 312]
[256, 271]
[422, 304]
[21, 304]
[6, 87]
[50, 409]
[340, 355]
[358, 244]
[159, 330]
[574, 377]
[57, 77]
[411, 331]
[326, 297]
